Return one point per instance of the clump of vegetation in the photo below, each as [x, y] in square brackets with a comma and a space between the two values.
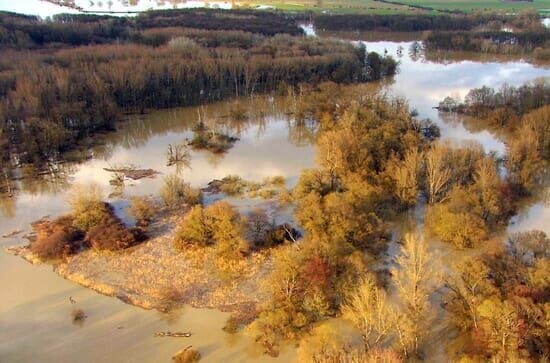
[87, 208]
[234, 185]
[112, 235]
[143, 210]
[370, 156]
[218, 224]
[56, 239]
[468, 199]
[520, 114]
[175, 192]
[264, 233]
[498, 301]
[214, 141]
[169, 298]
[329, 342]
[78, 316]
[188, 355]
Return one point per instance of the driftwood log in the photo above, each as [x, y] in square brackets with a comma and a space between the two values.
[134, 174]
[177, 334]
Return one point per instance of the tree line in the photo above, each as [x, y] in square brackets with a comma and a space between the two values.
[80, 29]
[413, 23]
[489, 41]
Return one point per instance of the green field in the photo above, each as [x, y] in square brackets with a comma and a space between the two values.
[476, 5]
[340, 6]
[406, 6]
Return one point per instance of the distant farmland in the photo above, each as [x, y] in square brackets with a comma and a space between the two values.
[408, 6]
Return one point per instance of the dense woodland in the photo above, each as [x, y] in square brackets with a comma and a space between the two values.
[57, 94]
[29, 31]
[414, 23]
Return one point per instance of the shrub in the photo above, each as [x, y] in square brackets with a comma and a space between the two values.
[175, 192]
[81, 197]
[233, 185]
[218, 223]
[281, 234]
[169, 298]
[196, 228]
[258, 227]
[97, 213]
[87, 207]
[268, 193]
[56, 239]
[112, 235]
[458, 221]
[188, 355]
[276, 181]
[143, 210]
[78, 316]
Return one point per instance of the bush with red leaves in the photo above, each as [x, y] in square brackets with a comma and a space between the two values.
[56, 239]
[113, 235]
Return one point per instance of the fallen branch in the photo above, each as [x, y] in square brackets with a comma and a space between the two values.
[172, 334]
[133, 174]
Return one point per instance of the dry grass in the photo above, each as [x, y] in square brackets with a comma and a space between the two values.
[145, 274]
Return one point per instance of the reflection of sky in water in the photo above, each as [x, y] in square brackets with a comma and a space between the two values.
[309, 29]
[143, 5]
[34, 7]
[535, 217]
[426, 83]
[45, 8]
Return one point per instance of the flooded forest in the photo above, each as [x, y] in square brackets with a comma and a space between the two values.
[256, 185]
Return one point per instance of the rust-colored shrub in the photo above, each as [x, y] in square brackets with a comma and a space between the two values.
[113, 235]
[56, 239]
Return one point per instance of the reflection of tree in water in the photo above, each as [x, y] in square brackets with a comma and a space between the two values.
[35, 182]
[416, 51]
[302, 132]
[7, 206]
[214, 159]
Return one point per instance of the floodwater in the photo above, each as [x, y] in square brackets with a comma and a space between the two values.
[45, 8]
[35, 312]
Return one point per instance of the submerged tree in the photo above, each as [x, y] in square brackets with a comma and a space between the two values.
[415, 280]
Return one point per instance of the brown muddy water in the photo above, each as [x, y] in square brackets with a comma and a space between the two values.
[35, 311]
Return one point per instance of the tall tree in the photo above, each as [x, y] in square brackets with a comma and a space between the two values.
[415, 279]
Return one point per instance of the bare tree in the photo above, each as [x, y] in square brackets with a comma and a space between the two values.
[367, 309]
[438, 173]
[414, 279]
[405, 174]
